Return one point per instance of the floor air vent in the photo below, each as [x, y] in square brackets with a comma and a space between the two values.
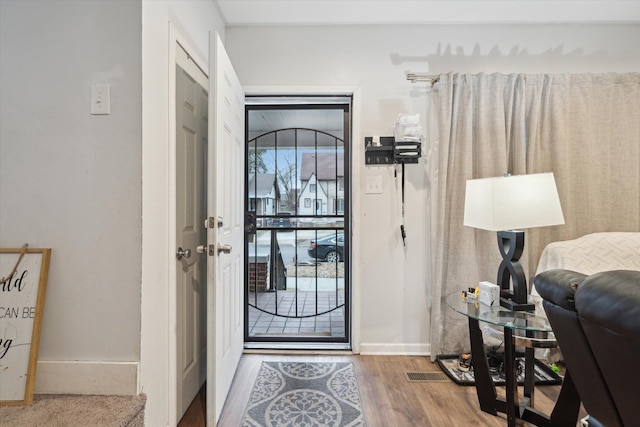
[433, 377]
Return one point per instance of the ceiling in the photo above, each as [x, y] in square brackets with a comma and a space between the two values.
[267, 120]
[349, 12]
[263, 121]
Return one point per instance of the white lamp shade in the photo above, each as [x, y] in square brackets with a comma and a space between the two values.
[512, 202]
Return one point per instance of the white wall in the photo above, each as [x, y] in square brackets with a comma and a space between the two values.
[190, 21]
[91, 187]
[72, 181]
[394, 285]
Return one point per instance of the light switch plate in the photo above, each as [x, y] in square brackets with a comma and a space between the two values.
[373, 185]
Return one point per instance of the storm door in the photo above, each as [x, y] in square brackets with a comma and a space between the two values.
[297, 223]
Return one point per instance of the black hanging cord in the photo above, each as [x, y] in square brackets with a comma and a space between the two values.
[403, 233]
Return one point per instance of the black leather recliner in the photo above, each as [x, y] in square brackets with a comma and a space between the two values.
[596, 321]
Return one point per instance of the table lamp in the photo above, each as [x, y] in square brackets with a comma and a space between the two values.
[507, 203]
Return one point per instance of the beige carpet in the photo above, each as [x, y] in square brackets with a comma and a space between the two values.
[49, 410]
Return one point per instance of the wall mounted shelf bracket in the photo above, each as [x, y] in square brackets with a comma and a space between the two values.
[389, 151]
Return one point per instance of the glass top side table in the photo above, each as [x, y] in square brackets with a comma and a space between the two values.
[524, 328]
[530, 329]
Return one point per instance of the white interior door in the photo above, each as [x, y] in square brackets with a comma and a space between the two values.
[225, 331]
[191, 268]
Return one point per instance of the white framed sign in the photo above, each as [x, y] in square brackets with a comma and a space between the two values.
[23, 281]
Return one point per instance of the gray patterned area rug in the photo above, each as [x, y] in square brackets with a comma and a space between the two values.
[313, 394]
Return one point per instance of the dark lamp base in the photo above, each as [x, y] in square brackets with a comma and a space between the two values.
[516, 306]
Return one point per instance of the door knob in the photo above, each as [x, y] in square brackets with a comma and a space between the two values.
[183, 253]
[201, 249]
[224, 248]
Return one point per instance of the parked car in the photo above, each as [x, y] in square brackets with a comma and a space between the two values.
[329, 248]
[284, 221]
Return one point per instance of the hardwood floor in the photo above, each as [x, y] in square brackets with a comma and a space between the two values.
[388, 399]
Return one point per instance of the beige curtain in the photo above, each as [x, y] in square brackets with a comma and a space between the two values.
[584, 128]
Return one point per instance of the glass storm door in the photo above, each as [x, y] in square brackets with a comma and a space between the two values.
[297, 226]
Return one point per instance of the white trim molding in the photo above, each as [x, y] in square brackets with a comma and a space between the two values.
[87, 377]
[385, 349]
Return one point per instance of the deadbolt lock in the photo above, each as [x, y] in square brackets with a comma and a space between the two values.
[213, 222]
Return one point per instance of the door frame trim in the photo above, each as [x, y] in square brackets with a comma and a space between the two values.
[175, 38]
[357, 162]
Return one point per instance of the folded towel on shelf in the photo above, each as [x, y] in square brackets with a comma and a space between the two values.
[408, 128]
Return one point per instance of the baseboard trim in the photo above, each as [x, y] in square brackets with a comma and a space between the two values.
[384, 349]
[87, 377]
